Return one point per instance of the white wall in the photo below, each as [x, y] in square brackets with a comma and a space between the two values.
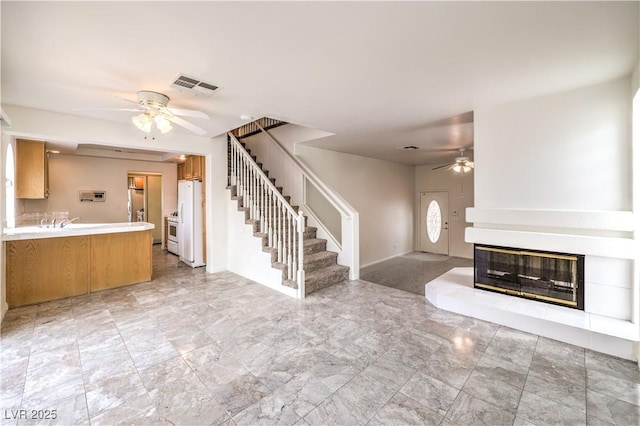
[566, 151]
[381, 191]
[555, 173]
[69, 174]
[461, 195]
[217, 199]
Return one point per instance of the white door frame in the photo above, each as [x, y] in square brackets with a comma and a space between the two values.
[439, 245]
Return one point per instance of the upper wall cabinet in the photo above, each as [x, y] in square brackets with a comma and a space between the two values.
[32, 169]
[193, 168]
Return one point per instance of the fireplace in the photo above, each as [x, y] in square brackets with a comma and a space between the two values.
[549, 277]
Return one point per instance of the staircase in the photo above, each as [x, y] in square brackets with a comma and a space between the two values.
[277, 223]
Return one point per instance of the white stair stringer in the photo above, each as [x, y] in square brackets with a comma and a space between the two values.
[245, 255]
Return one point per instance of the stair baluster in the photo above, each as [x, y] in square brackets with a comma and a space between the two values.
[282, 228]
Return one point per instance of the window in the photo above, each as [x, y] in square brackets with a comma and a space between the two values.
[10, 193]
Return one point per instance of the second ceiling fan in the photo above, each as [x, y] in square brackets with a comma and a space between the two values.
[462, 163]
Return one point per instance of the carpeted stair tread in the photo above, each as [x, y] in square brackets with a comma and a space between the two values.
[325, 277]
[310, 232]
[314, 245]
[319, 260]
[320, 265]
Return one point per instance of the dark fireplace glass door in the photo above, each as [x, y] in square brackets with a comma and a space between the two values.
[549, 277]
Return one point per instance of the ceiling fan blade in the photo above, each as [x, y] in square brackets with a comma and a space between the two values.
[445, 149]
[188, 113]
[128, 100]
[110, 109]
[443, 166]
[189, 126]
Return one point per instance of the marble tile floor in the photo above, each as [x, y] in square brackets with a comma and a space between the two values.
[194, 348]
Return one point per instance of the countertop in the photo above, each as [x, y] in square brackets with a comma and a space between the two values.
[72, 230]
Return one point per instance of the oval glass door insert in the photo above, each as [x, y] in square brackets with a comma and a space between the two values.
[434, 221]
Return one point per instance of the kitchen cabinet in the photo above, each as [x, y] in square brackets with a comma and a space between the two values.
[120, 259]
[180, 171]
[43, 269]
[46, 269]
[194, 167]
[32, 169]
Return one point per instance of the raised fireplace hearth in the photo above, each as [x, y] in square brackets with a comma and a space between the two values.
[549, 277]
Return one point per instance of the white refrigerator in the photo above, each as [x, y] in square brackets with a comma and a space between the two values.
[190, 222]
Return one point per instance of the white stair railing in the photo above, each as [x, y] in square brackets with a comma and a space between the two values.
[283, 226]
[298, 175]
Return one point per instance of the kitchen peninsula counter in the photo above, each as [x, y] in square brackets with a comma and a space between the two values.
[74, 229]
[46, 264]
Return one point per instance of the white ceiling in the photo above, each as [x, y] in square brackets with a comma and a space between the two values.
[378, 75]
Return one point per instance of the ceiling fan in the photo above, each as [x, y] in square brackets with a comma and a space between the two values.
[154, 109]
[461, 164]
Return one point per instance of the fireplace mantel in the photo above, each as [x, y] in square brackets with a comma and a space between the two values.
[595, 233]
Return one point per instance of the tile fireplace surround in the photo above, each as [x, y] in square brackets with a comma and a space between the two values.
[609, 323]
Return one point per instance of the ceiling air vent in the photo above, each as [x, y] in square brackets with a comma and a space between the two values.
[194, 85]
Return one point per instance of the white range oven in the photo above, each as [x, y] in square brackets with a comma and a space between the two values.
[172, 235]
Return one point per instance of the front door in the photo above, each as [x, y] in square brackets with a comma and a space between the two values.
[434, 222]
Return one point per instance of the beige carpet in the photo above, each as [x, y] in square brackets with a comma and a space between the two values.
[411, 271]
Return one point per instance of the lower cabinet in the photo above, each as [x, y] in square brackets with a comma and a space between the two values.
[45, 269]
[120, 259]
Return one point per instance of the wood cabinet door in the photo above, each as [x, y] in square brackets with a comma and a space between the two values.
[188, 168]
[180, 171]
[31, 169]
[120, 259]
[197, 167]
[46, 269]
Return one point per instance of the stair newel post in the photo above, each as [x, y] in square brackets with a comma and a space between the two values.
[300, 249]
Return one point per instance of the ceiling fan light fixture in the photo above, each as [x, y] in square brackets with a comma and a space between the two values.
[142, 122]
[162, 123]
[457, 168]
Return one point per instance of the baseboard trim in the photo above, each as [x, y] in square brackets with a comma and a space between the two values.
[5, 308]
[385, 259]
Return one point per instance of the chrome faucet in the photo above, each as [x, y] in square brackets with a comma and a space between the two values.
[68, 221]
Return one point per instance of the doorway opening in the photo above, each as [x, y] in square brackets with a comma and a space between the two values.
[144, 200]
